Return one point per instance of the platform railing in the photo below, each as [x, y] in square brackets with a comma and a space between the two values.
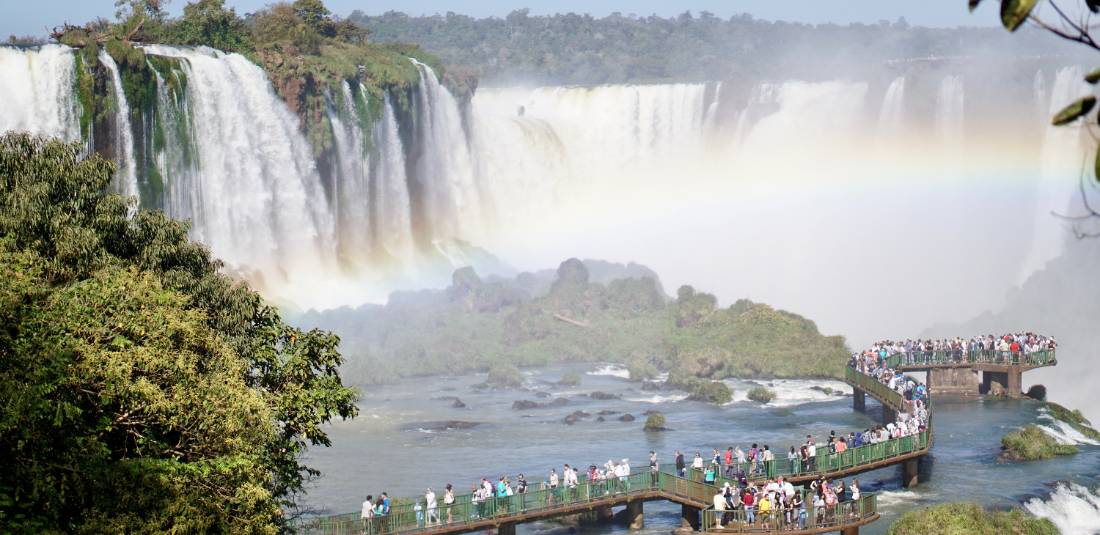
[804, 518]
[1045, 357]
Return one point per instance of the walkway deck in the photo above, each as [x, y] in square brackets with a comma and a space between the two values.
[503, 513]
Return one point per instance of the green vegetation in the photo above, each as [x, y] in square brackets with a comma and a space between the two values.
[1074, 418]
[761, 395]
[504, 375]
[655, 422]
[572, 48]
[570, 379]
[303, 48]
[143, 391]
[1032, 444]
[969, 519]
[552, 317]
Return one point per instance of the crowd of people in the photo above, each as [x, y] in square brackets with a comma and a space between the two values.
[736, 472]
[1012, 347]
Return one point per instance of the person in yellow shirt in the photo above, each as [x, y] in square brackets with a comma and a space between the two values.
[764, 510]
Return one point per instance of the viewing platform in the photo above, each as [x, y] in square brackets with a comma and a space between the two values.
[964, 372]
[597, 498]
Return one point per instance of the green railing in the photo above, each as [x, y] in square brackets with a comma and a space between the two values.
[805, 518]
[405, 516]
[967, 356]
[408, 517]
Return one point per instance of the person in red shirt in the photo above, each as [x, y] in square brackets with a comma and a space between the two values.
[729, 461]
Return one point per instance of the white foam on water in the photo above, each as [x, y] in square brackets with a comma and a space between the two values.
[789, 392]
[659, 398]
[1062, 431]
[891, 498]
[1073, 508]
[611, 370]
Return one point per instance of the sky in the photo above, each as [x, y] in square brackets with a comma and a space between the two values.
[23, 17]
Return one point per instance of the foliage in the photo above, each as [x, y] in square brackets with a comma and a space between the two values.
[570, 379]
[504, 375]
[1074, 418]
[624, 319]
[969, 519]
[143, 390]
[209, 23]
[1032, 444]
[655, 422]
[572, 48]
[761, 394]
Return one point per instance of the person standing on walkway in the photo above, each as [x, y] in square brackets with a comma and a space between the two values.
[368, 512]
[681, 468]
[654, 467]
[449, 501]
[432, 507]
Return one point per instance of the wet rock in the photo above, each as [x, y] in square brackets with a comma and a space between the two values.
[542, 395]
[1038, 392]
[627, 418]
[441, 425]
[525, 404]
[600, 419]
[581, 414]
[603, 395]
[651, 386]
[557, 402]
[570, 419]
[607, 412]
[458, 404]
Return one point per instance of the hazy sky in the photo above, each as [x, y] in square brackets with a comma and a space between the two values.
[35, 17]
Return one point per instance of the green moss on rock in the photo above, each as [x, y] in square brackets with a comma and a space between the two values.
[969, 519]
[1032, 444]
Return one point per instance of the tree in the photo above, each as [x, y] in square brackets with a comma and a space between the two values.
[316, 16]
[142, 389]
[208, 22]
[1014, 14]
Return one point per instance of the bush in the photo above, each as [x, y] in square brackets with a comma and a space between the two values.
[570, 379]
[504, 376]
[761, 394]
[969, 519]
[655, 422]
[711, 392]
[1031, 444]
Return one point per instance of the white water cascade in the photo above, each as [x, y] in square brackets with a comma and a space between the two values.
[351, 195]
[36, 92]
[126, 180]
[891, 117]
[256, 199]
[949, 111]
[392, 205]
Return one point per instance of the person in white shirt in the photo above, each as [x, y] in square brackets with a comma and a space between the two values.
[368, 511]
[719, 509]
[432, 507]
[697, 462]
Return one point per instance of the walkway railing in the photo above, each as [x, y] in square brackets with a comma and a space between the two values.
[406, 516]
[967, 356]
[805, 518]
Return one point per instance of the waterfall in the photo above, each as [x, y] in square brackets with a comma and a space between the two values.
[949, 111]
[891, 118]
[257, 200]
[448, 195]
[37, 91]
[351, 195]
[126, 180]
[392, 192]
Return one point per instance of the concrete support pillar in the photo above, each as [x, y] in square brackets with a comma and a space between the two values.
[506, 529]
[634, 517]
[604, 514]
[1014, 386]
[911, 470]
[854, 530]
[859, 400]
[689, 517]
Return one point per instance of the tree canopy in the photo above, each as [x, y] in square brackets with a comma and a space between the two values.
[143, 391]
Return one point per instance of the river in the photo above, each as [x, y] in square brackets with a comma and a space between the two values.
[393, 447]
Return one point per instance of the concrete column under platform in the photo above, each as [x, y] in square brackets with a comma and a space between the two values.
[953, 382]
[1006, 382]
[859, 400]
[635, 518]
[506, 529]
[604, 514]
[853, 530]
[911, 472]
[689, 517]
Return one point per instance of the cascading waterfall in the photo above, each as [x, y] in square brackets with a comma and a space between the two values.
[257, 199]
[447, 189]
[392, 208]
[37, 92]
[351, 198]
[949, 111]
[126, 179]
[891, 117]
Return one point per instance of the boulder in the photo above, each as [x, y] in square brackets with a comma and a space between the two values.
[607, 412]
[458, 404]
[525, 404]
[603, 395]
[651, 386]
[627, 418]
[1038, 392]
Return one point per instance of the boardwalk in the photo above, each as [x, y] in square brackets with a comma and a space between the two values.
[598, 497]
[956, 372]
